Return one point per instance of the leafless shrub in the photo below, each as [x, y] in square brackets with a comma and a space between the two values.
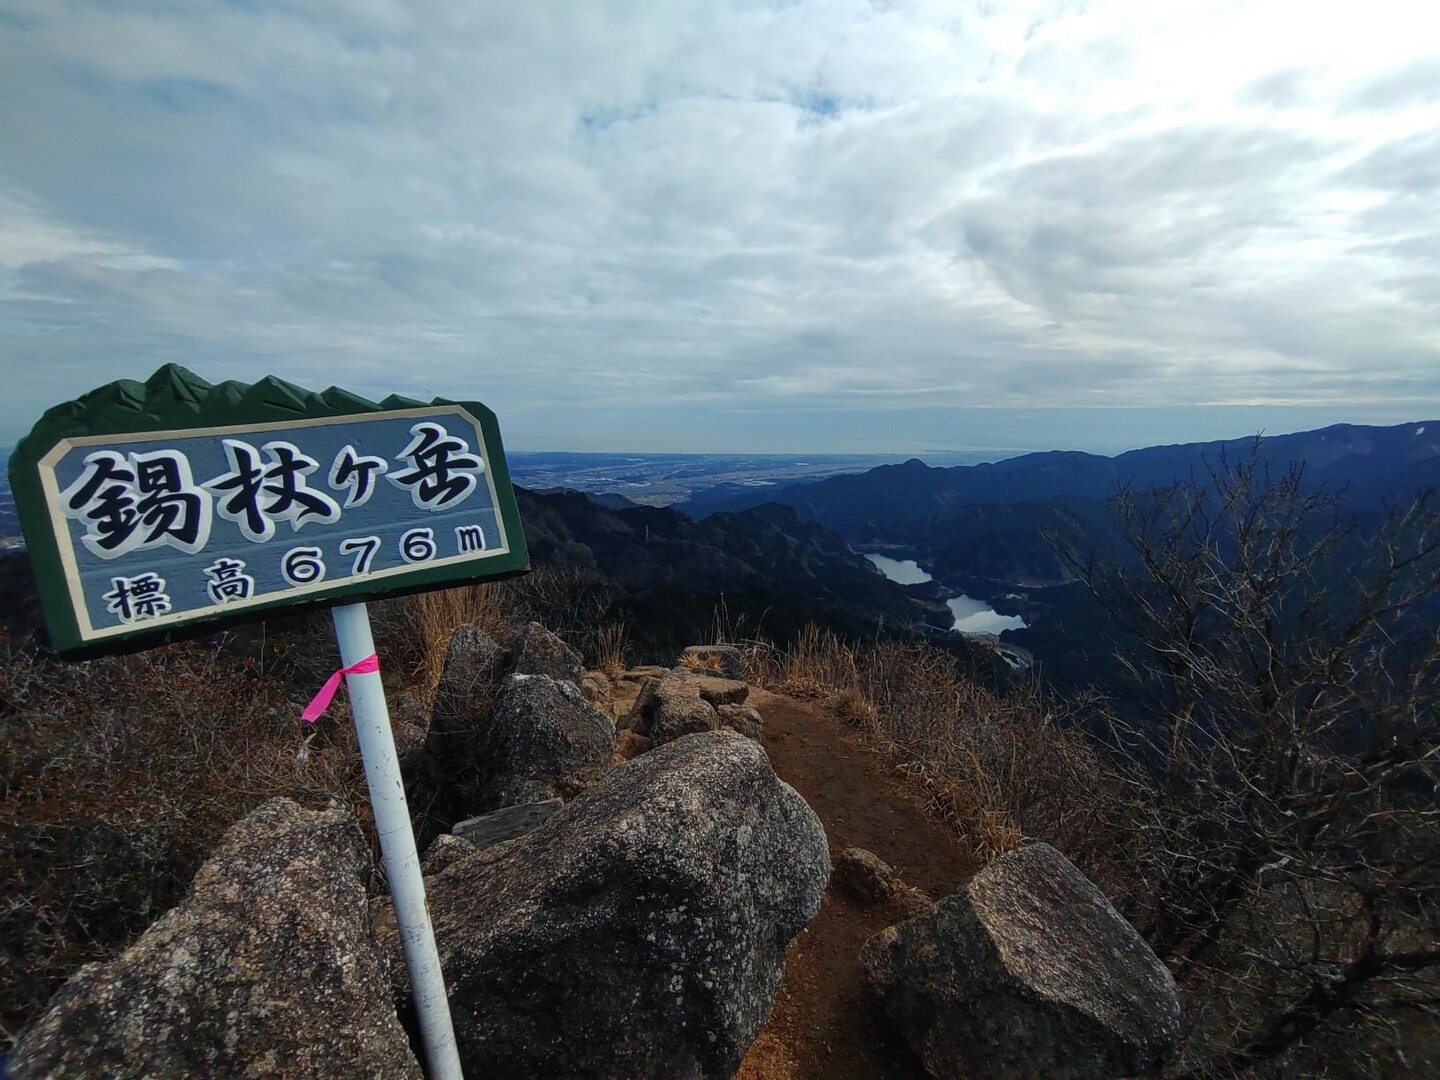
[1281, 788]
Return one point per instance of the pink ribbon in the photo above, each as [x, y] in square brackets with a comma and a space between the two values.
[321, 701]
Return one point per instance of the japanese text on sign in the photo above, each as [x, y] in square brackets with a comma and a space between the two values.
[164, 526]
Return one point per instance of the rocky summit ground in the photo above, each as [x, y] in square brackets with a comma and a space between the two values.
[826, 1023]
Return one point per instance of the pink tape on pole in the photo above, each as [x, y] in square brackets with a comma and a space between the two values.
[321, 701]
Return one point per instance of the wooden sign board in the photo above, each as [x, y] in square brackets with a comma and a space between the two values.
[173, 507]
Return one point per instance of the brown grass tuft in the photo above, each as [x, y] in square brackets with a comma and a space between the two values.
[419, 628]
[856, 710]
[699, 662]
[117, 776]
[610, 646]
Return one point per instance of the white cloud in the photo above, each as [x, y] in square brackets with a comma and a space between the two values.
[572, 210]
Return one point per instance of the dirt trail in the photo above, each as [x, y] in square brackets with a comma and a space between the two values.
[824, 1023]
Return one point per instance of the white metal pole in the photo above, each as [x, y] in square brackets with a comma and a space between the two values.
[397, 842]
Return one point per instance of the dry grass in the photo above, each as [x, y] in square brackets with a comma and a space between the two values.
[761, 662]
[611, 642]
[1000, 770]
[117, 776]
[417, 628]
[856, 710]
[706, 663]
[818, 665]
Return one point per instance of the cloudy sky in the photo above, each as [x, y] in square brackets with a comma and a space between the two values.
[832, 225]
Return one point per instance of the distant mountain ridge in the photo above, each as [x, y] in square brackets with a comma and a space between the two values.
[610, 500]
[1374, 461]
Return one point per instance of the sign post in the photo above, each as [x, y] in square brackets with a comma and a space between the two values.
[397, 841]
[174, 508]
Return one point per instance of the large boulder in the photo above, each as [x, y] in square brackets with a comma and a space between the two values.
[865, 877]
[744, 719]
[1026, 971]
[723, 691]
[676, 707]
[266, 969]
[641, 931]
[543, 741]
[539, 652]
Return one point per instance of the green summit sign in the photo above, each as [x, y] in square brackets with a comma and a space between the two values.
[173, 507]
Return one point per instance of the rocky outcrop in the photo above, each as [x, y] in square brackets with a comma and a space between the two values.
[682, 714]
[1026, 971]
[639, 932]
[596, 688]
[266, 969]
[409, 722]
[473, 666]
[722, 691]
[539, 652]
[630, 745]
[672, 707]
[742, 719]
[683, 702]
[446, 850]
[643, 709]
[543, 741]
[864, 876]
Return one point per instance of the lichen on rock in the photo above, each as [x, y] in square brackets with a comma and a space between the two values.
[640, 931]
[266, 969]
[1026, 971]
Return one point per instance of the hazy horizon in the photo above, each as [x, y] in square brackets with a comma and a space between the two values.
[827, 226]
[933, 452]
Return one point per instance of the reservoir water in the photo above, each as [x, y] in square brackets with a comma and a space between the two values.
[977, 617]
[971, 616]
[906, 572]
